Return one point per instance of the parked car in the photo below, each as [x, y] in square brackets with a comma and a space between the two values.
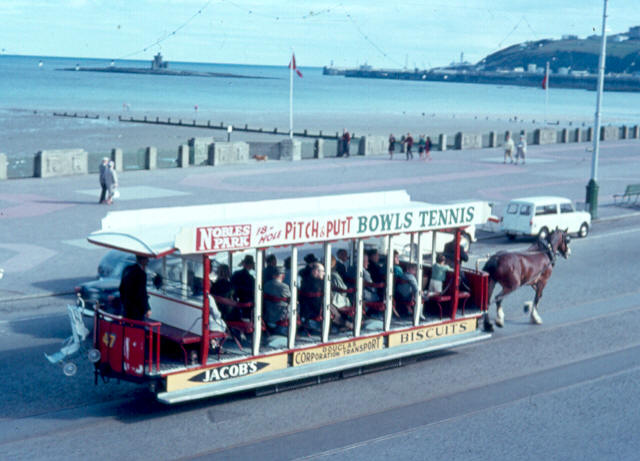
[540, 215]
[106, 288]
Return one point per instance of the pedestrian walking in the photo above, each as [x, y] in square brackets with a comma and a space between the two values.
[402, 138]
[508, 148]
[427, 148]
[346, 141]
[409, 144]
[521, 151]
[421, 143]
[111, 181]
[102, 170]
[392, 145]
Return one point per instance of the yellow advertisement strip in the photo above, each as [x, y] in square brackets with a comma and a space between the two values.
[221, 373]
[431, 332]
[334, 351]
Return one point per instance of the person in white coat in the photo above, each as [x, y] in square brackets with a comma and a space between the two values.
[111, 181]
[521, 148]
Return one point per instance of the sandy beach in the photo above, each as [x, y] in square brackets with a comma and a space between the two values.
[25, 132]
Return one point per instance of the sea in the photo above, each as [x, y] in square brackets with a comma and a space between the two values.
[37, 83]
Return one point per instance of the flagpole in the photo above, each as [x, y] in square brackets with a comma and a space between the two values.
[291, 98]
[546, 92]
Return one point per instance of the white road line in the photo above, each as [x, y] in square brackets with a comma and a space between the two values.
[611, 234]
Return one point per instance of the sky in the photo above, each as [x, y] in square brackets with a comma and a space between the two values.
[423, 34]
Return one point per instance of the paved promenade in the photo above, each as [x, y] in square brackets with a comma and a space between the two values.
[44, 222]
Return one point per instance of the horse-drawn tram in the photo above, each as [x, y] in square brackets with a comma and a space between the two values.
[198, 341]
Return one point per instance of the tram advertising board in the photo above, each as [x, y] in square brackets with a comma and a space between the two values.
[431, 332]
[337, 350]
[224, 372]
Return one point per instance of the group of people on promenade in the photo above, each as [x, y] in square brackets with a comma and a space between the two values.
[108, 181]
[510, 146]
[406, 145]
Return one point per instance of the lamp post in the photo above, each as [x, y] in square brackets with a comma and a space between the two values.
[592, 186]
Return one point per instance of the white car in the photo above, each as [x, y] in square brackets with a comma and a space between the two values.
[541, 215]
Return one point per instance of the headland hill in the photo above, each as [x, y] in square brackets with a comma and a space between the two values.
[573, 63]
[158, 67]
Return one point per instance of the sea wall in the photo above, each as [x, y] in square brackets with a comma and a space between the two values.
[209, 151]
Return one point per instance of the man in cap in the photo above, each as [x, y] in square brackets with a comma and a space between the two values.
[243, 282]
[305, 272]
[133, 290]
[276, 301]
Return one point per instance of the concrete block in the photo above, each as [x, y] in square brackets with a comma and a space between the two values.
[151, 158]
[3, 166]
[228, 153]
[290, 149]
[61, 162]
[590, 134]
[625, 132]
[373, 145]
[578, 135]
[468, 141]
[564, 136]
[636, 132]
[318, 148]
[609, 133]
[493, 139]
[199, 150]
[545, 136]
[116, 157]
[442, 141]
[183, 156]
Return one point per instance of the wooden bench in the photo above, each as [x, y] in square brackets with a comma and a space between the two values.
[632, 190]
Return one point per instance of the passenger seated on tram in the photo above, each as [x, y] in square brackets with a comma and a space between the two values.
[378, 274]
[243, 282]
[406, 288]
[339, 295]
[369, 293]
[287, 270]
[438, 275]
[276, 302]
[271, 263]
[450, 256]
[310, 259]
[342, 263]
[222, 287]
[311, 288]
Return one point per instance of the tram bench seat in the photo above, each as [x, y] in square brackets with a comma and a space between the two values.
[632, 190]
[184, 338]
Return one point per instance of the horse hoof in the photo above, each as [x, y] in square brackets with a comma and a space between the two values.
[499, 322]
[527, 307]
[535, 318]
[488, 327]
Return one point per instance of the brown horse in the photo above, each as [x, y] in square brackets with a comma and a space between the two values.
[530, 267]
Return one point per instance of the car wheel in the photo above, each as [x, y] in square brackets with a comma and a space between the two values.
[543, 234]
[511, 236]
[584, 230]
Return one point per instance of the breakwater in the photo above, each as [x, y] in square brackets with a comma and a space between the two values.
[147, 71]
[612, 82]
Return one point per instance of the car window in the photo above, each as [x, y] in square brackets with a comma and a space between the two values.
[512, 208]
[525, 210]
[566, 208]
[546, 209]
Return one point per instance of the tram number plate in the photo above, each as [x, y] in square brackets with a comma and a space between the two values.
[334, 351]
[432, 332]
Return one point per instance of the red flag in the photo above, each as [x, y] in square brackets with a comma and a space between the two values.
[545, 81]
[292, 65]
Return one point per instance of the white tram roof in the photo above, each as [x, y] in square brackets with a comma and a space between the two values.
[238, 226]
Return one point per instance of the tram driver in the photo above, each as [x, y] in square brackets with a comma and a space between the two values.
[133, 290]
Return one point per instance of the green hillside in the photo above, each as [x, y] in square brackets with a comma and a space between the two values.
[574, 54]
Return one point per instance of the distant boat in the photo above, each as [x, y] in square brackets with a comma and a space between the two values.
[40, 64]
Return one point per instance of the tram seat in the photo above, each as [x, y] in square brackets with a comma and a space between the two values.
[184, 338]
[446, 296]
[241, 327]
